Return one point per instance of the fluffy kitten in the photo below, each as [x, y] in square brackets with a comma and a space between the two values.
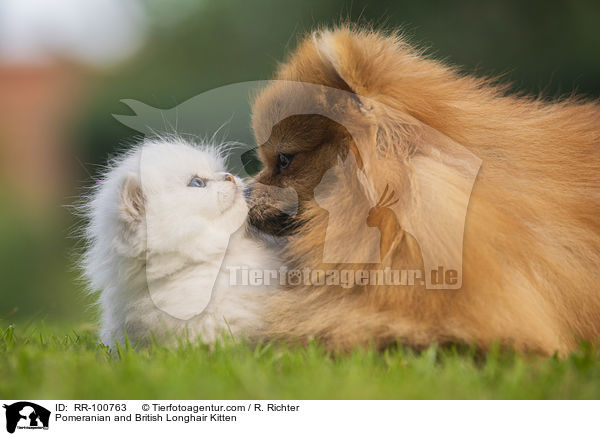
[165, 224]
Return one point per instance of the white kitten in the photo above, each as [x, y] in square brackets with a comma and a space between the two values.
[165, 223]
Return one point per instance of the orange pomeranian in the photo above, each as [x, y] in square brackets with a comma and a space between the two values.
[530, 250]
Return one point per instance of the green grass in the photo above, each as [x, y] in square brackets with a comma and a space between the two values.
[50, 363]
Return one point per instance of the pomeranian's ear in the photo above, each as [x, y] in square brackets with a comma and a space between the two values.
[356, 58]
[132, 200]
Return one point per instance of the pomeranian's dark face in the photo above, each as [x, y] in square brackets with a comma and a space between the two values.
[297, 153]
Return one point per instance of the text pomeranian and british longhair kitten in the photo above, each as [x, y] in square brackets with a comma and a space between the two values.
[165, 223]
[531, 248]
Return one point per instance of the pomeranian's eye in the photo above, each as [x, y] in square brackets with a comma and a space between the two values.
[197, 182]
[284, 160]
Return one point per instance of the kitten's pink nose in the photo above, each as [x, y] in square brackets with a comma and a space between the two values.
[228, 178]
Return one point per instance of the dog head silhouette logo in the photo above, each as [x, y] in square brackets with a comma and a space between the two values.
[26, 415]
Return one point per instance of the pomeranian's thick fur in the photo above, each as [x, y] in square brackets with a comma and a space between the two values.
[531, 253]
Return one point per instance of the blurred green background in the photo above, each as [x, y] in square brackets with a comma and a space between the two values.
[192, 46]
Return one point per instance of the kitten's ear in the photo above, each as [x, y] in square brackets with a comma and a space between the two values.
[132, 200]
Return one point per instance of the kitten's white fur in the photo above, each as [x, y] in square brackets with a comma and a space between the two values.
[153, 242]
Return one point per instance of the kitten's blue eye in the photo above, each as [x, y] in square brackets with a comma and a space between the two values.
[197, 182]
